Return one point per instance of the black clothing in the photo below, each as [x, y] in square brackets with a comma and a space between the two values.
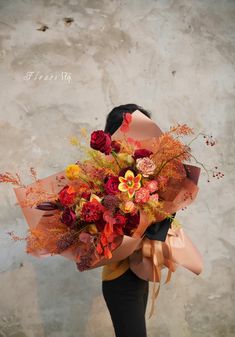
[126, 298]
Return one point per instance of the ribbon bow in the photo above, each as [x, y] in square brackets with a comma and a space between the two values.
[159, 255]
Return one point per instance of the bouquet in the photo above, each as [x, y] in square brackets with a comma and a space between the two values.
[98, 210]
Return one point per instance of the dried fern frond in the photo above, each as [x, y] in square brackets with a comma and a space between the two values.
[181, 129]
[8, 177]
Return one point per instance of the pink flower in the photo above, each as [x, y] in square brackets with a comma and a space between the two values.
[142, 195]
[146, 166]
[151, 185]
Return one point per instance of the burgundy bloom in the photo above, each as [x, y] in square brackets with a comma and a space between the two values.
[86, 195]
[92, 211]
[141, 153]
[100, 224]
[116, 146]
[120, 219]
[110, 202]
[111, 186]
[132, 222]
[101, 141]
[68, 216]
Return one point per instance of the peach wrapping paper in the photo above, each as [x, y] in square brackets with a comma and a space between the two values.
[152, 256]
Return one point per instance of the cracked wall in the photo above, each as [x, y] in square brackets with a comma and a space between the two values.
[175, 58]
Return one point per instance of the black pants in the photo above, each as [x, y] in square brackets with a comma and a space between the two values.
[126, 298]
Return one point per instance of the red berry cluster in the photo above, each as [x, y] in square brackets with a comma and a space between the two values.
[218, 174]
[209, 140]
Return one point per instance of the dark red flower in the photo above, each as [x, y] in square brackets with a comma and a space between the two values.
[120, 219]
[92, 211]
[118, 229]
[110, 202]
[111, 186]
[100, 224]
[115, 146]
[86, 195]
[68, 216]
[132, 222]
[141, 153]
[66, 195]
[101, 141]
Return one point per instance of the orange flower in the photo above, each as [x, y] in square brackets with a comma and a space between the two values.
[107, 252]
[128, 207]
[129, 183]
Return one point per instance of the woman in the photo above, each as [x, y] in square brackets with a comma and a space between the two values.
[124, 292]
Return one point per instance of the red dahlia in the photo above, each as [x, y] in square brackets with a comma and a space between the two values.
[67, 195]
[92, 211]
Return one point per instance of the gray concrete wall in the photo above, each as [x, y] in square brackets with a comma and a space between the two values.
[175, 58]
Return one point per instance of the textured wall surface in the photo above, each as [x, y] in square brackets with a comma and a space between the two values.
[175, 58]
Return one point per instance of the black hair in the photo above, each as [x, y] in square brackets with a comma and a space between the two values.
[115, 117]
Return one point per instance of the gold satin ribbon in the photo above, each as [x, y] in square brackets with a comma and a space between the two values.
[154, 249]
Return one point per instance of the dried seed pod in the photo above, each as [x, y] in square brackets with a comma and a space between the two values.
[47, 206]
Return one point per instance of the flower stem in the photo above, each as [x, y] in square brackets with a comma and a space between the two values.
[113, 153]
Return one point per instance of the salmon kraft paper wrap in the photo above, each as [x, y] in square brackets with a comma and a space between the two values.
[147, 257]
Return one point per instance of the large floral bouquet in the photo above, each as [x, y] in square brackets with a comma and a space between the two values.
[122, 187]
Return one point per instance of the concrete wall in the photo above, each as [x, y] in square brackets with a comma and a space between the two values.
[175, 58]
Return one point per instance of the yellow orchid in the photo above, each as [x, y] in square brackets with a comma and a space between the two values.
[129, 183]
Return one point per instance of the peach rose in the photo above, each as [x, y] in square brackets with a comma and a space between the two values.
[146, 166]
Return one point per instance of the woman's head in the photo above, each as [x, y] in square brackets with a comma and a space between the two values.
[115, 117]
